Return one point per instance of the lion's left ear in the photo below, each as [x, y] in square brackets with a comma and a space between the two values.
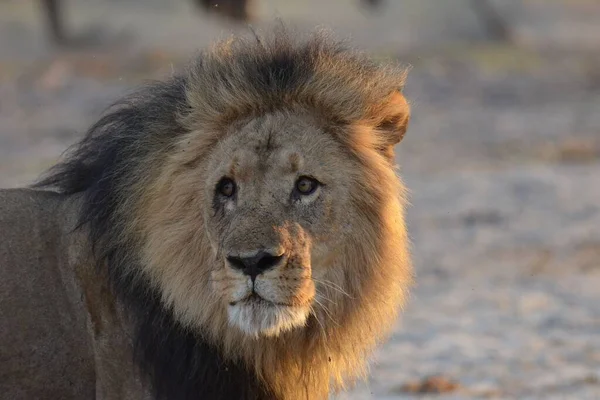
[392, 121]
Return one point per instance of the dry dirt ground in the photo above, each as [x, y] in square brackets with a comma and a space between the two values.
[502, 160]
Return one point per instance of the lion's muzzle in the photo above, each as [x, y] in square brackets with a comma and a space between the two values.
[265, 278]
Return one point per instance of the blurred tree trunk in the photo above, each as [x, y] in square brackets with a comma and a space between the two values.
[495, 24]
[52, 13]
[373, 3]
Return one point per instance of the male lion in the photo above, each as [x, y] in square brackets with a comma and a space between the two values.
[236, 232]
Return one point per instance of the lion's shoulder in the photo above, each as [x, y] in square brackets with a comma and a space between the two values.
[40, 322]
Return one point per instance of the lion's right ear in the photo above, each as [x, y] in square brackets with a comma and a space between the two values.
[392, 122]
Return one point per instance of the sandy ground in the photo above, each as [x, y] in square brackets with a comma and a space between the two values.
[502, 159]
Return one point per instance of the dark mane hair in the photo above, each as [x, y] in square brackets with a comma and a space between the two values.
[241, 77]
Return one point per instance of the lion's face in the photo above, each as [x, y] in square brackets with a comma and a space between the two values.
[276, 194]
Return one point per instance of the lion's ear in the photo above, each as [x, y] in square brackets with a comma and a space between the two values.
[392, 122]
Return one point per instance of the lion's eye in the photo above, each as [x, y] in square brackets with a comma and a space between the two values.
[226, 187]
[306, 185]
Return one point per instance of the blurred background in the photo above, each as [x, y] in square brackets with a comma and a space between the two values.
[502, 159]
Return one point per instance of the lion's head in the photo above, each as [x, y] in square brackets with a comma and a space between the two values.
[255, 198]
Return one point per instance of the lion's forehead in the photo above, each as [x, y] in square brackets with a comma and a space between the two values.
[258, 151]
[250, 165]
[276, 145]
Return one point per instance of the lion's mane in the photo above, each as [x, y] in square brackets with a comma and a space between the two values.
[123, 153]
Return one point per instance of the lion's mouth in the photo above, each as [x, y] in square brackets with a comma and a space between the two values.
[256, 299]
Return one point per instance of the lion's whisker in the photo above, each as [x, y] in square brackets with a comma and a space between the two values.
[326, 311]
[322, 328]
[330, 284]
[333, 286]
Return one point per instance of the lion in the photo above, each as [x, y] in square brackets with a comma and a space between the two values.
[235, 231]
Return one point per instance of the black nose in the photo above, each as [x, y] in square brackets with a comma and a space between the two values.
[255, 265]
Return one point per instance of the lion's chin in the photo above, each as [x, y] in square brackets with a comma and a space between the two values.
[257, 317]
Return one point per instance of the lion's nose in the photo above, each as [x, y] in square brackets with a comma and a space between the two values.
[254, 265]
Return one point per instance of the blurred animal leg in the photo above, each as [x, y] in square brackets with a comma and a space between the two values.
[53, 19]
